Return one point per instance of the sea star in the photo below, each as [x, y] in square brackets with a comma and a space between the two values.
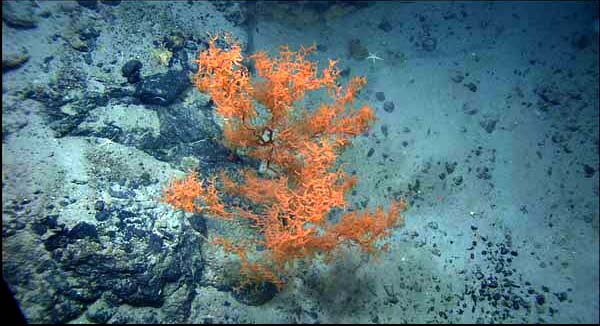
[373, 57]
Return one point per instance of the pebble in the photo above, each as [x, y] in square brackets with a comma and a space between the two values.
[388, 106]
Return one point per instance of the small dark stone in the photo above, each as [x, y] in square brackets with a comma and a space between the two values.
[380, 96]
[111, 2]
[345, 72]
[155, 243]
[514, 253]
[198, 223]
[503, 251]
[457, 77]
[540, 299]
[102, 215]
[433, 225]
[256, 295]
[472, 87]
[429, 44]
[162, 89]
[384, 130]
[88, 33]
[90, 4]
[175, 41]
[83, 230]
[515, 304]
[388, 106]
[39, 228]
[450, 167]
[99, 205]
[321, 47]
[468, 109]
[588, 170]
[499, 267]
[581, 42]
[131, 71]
[458, 180]
[562, 296]
[385, 26]
[371, 152]
[473, 227]
[489, 125]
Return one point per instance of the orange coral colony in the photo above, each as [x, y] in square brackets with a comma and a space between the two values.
[298, 147]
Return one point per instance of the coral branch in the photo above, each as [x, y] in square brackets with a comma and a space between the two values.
[289, 201]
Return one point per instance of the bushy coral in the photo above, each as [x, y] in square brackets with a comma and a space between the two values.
[292, 200]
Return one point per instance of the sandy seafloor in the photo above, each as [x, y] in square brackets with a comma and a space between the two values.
[492, 139]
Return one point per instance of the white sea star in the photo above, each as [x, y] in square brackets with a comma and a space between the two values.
[373, 57]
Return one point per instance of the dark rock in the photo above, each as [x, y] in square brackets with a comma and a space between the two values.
[388, 106]
[450, 167]
[88, 33]
[102, 215]
[581, 42]
[468, 109]
[58, 240]
[588, 170]
[433, 225]
[18, 14]
[14, 58]
[514, 253]
[39, 228]
[384, 130]
[198, 223]
[457, 77]
[155, 243]
[371, 152]
[143, 290]
[345, 72]
[99, 205]
[540, 299]
[380, 96]
[162, 89]
[458, 180]
[100, 314]
[515, 304]
[110, 2]
[472, 87]
[90, 4]
[357, 50]
[429, 44]
[503, 251]
[131, 71]
[385, 26]
[254, 295]
[83, 230]
[499, 267]
[488, 125]
[175, 41]
[562, 296]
